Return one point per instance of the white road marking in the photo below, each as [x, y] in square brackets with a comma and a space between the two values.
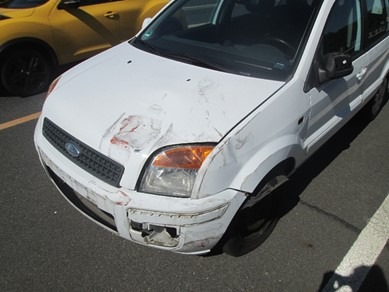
[350, 275]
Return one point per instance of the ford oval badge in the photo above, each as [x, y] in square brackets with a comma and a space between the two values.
[72, 149]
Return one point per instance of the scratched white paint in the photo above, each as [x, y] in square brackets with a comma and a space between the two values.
[198, 106]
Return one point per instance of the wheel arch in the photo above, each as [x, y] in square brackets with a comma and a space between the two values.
[280, 157]
[31, 43]
[232, 243]
[244, 169]
[277, 166]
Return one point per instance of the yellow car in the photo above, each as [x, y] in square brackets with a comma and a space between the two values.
[38, 35]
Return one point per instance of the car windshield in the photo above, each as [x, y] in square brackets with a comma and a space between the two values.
[258, 38]
[21, 3]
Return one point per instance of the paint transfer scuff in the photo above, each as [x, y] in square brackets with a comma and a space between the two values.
[136, 132]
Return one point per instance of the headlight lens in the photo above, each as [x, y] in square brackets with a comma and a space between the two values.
[173, 171]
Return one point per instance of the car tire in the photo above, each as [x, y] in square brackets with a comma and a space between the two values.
[25, 72]
[252, 225]
[375, 105]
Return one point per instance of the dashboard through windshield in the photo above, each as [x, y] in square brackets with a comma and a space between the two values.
[253, 38]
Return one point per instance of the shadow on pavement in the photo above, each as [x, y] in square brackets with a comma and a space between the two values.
[373, 280]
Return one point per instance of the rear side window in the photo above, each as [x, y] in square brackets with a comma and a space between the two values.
[343, 30]
[377, 20]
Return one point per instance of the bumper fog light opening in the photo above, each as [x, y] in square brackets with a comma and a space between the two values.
[157, 235]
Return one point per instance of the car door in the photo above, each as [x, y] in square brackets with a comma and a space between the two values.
[135, 12]
[83, 29]
[377, 43]
[334, 101]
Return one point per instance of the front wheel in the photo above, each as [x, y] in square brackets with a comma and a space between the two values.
[25, 72]
[254, 223]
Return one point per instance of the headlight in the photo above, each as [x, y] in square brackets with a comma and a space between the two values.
[173, 171]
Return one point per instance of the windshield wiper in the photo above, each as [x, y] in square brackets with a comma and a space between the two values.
[192, 60]
[147, 45]
[177, 55]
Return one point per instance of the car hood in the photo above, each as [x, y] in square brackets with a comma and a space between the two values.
[15, 13]
[127, 103]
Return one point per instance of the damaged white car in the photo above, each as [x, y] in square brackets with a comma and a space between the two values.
[178, 138]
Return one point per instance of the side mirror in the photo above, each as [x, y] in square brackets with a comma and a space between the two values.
[335, 65]
[69, 4]
[146, 22]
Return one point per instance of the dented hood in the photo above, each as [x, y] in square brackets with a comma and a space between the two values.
[127, 102]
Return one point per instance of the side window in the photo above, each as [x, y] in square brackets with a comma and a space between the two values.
[93, 2]
[376, 20]
[387, 15]
[342, 33]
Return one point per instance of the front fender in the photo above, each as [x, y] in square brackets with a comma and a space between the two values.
[18, 29]
[284, 153]
[272, 134]
[243, 171]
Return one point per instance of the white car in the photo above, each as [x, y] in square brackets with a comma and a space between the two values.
[178, 138]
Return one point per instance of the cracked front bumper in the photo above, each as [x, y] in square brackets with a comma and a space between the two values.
[182, 225]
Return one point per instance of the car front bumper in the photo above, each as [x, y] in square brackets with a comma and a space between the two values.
[182, 225]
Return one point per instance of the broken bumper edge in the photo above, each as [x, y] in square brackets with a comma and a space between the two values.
[181, 225]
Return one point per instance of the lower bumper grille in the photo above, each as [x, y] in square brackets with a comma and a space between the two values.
[82, 204]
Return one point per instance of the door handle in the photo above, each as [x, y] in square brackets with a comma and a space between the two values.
[361, 74]
[111, 15]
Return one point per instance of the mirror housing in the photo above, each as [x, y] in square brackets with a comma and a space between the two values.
[146, 22]
[335, 65]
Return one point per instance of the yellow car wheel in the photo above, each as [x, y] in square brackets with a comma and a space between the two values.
[25, 72]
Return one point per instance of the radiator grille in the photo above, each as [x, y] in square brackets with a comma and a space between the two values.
[88, 159]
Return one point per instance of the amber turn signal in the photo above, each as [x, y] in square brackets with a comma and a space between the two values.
[188, 157]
